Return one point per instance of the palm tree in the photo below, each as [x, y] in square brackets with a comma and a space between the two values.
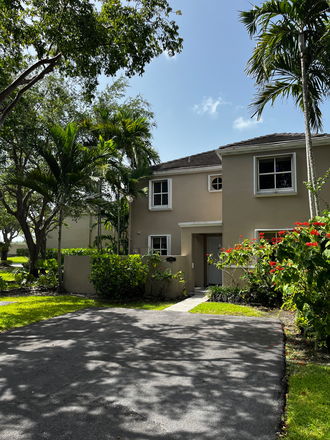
[131, 135]
[290, 59]
[67, 178]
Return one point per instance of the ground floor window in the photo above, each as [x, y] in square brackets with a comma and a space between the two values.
[160, 244]
[269, 235]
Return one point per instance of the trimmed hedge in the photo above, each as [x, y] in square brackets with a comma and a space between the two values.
[118, 277]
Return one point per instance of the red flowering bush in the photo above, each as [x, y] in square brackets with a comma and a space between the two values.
[253, 258]
[295, 265]
[305, 275]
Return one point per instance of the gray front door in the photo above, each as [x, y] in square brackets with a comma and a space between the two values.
[214, 275]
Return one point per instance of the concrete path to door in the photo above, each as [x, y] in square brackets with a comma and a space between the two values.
[105, 374]
[196, 298]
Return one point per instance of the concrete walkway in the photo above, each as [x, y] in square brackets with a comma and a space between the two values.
[199, 296]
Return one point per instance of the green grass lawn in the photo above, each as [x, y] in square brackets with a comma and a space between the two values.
[217, 308]
[18, 260]
[7, 276]
[29, 309]
[308, 405]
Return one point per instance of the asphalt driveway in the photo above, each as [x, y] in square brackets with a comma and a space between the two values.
[142, 375]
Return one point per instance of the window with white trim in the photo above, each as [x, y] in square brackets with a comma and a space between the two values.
[160, 194]
[160, 244]
[275, 175]
[214, 183]
[269, 235]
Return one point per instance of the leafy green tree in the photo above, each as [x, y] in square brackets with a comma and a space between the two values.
[129, 125]
[68, 178]
[25, 132]
[291, 59]
[10, 229]
[80, 40]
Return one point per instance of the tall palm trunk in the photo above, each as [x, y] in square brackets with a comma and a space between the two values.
[99, 241]
[118, 222]
[314, 206]
[59, 255]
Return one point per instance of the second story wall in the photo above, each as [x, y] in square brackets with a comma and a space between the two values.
[246, 208]
[188, 197]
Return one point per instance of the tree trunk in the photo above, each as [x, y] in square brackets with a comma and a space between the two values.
[314, 207]
[60, 288]
[118, 222]
[99, 242]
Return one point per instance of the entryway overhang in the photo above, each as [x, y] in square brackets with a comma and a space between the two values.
[200, 224]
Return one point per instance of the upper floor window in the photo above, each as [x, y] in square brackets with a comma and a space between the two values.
[275, 175]
[160, 194]
[215, 183]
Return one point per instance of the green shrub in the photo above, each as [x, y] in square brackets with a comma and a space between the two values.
[118, 277]
[3, 284]
[48, 272]
[252, 257]
[23, 252]
[230, 294]
[52, 253]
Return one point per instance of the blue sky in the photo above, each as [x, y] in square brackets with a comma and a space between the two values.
[201, 96]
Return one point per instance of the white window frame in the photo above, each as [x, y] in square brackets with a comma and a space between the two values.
[257, 231]
[273, 191]
[168, 239]
[210, 178]
[153, 207]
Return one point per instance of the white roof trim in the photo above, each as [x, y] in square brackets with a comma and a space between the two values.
[200, 224]
[188, 171]
[268, 147]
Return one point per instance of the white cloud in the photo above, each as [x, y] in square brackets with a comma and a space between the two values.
[244, 124]
[209, 106]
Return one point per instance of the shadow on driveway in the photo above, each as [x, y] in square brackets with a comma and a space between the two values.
[142, 375]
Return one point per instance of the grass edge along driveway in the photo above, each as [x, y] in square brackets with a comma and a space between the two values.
[27, 310]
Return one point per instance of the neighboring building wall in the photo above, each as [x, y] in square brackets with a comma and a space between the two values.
[243, 212]
[16, 245]
[191, 202]
[76, 233]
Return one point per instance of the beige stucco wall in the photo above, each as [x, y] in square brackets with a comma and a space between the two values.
[14, 246]
[76, 271]
[175, 288]
[243, 212]
[191, 202]
[76, 233]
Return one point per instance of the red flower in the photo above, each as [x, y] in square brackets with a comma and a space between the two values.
[312, 244]
[241, 236]
[272, 263]
[279, 268]
[281, 232]
[207, 255]
[297, 230]
[314, 232]
[305, 224]
[328, 235]
[261, 234]
[272, 271]
[229, 250]
[318, 224]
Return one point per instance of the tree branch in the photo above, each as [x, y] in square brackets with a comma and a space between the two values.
[18, 82]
